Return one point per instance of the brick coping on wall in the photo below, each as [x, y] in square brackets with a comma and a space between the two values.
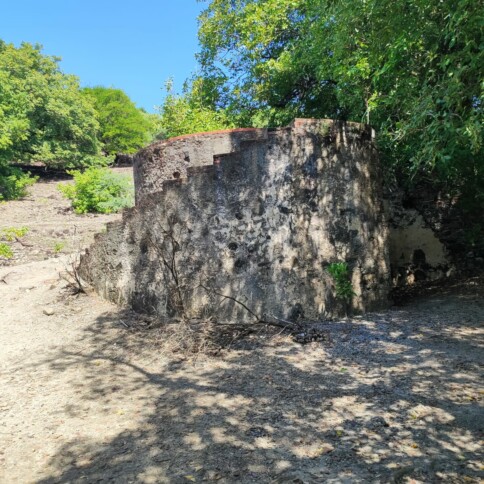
[220, 131]
[297, 123]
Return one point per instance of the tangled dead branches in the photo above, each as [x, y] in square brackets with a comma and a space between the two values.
[75, 284]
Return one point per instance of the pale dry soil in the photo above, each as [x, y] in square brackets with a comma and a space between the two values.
[87, 395]
[53, 228]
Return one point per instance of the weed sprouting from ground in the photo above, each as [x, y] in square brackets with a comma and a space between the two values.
[12, 233]
[5, 251]
[58, 246]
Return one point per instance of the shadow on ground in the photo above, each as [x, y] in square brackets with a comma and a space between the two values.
[393, 396]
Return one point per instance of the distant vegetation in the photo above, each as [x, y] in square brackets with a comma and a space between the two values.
[123, 128]
[99, 190]
[185, 114]
[46, 117]
[43, 115]
[14, 182]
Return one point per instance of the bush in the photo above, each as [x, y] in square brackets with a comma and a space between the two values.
[12, 233]
[14, 182]
[5, 251]
[340, 273]
[99, 190]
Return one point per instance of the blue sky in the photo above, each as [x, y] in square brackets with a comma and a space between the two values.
[132, 45]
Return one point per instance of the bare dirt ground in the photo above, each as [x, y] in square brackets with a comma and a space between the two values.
[87, 395]
[53, 228]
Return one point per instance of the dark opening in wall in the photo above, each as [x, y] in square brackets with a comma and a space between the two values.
[176, 175]
[419, 257]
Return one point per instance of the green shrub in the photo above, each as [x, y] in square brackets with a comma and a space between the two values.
[340, 273]
[14, 182]
[58, 246]
[5, 251]
[99, 190]
[12, 233]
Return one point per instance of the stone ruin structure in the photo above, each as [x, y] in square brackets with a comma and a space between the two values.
[242, 224]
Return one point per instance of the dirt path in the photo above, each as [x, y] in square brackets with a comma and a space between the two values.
[393, 397]
[53, 228]
[86, 400]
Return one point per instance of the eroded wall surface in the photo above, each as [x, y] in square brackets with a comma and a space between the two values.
[171, 159]
[247, 226]
[418, 252]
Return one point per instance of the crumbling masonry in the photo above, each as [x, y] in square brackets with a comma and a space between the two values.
[243, 223]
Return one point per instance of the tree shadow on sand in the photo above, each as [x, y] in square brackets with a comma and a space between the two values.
[393, 396]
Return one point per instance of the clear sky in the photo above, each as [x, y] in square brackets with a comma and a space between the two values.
[131, 45]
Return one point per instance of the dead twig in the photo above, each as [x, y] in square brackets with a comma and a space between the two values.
[265, 319]
[168, 250]
[232, 299]
[73, 278]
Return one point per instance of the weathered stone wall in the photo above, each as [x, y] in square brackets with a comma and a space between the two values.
[255, 219]
[433, 235]
[170, 159]
[439, 236]
[416, 252]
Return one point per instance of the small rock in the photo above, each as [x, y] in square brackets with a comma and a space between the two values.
[48, 311]
[376, 423]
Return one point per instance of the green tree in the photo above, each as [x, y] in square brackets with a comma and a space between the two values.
[412, 68]
[186, 114]
[123, 127]
[254, 61]
[43, 116]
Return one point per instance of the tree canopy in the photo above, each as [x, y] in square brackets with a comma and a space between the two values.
[46, 117]
[123, 127]
[43, 116]
[411, 68]
[187, 113]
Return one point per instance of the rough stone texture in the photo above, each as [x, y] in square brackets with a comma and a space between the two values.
[416, 252]
[252, 218]
[432, 234]
[171, 159]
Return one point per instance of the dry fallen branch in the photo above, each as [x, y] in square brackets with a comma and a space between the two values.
[73, 278]
[280, 323]
[265, 319]
[232, 299]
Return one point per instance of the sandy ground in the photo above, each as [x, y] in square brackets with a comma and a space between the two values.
[53, 228]
[87, 396]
